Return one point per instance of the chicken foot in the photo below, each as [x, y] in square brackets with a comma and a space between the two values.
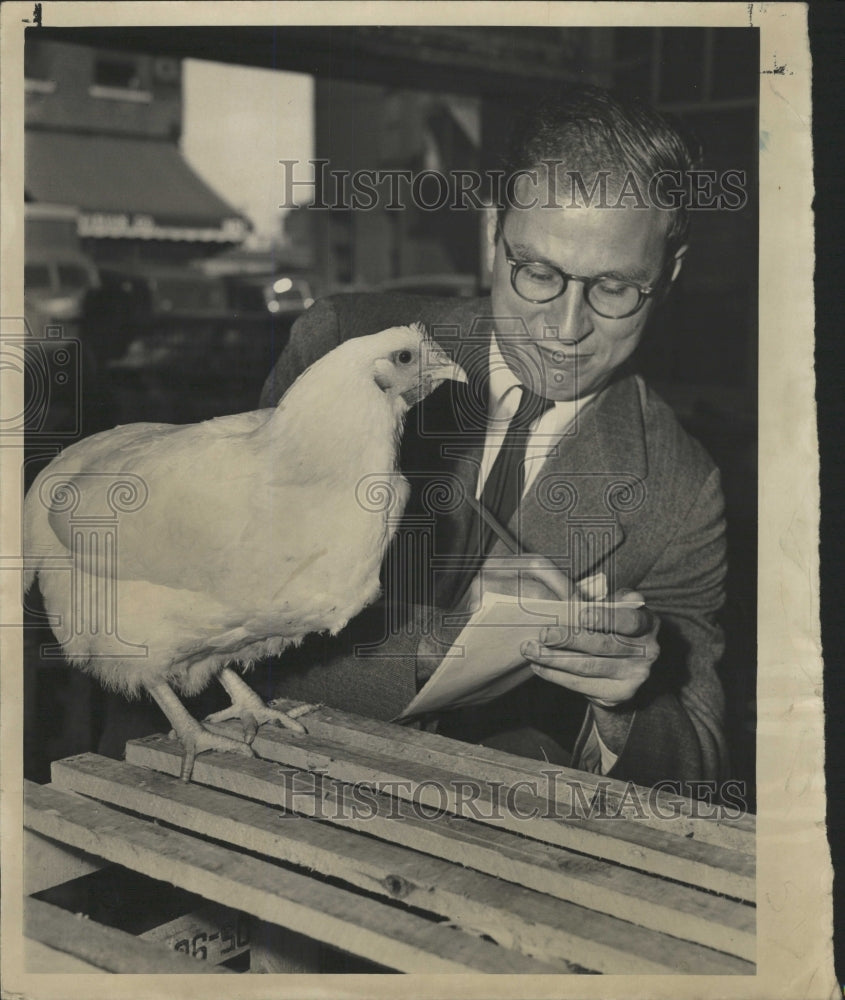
[251, 710]
[194, 736]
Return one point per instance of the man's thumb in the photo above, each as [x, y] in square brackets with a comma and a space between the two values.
[593, 588]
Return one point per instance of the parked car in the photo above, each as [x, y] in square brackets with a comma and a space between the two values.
[182, 344]
[57, 273]
[463, 286]
[134, 303]
[288, 293]
[56, 284]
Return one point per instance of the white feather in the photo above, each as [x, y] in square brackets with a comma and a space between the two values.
[253, 533]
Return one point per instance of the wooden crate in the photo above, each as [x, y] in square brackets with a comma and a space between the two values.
[409, 851]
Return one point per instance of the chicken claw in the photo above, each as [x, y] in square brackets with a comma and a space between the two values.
[200, 740]
[194, 737]
[251, 710]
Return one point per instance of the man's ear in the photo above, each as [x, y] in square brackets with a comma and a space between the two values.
[679, 262]
[491, 222]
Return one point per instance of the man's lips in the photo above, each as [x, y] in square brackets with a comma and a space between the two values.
[558, 354]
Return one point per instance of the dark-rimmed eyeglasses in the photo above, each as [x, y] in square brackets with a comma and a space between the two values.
[539, 282]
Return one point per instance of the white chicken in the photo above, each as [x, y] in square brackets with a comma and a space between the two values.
[248, 532]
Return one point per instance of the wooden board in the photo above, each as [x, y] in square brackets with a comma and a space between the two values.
[364, 926]
[46, 864]
[103, 948]
[572, 790]
[42, 959]
[656, 904]
[646, 848]
[213, 934]
[511, 914]
[413, 852]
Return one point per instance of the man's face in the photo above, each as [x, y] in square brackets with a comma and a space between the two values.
[563, 349]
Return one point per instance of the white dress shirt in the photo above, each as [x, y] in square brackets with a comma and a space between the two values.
[546, 431]
[545, 438]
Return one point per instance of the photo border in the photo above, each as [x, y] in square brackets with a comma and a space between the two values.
[794, 874]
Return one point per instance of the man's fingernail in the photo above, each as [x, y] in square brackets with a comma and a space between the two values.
[550, 635]
[528, 648]
[588, 617]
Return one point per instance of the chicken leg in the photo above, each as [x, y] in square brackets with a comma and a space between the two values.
[251, 710]
[195, 737]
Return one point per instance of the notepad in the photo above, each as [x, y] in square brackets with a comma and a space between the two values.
[485, 662]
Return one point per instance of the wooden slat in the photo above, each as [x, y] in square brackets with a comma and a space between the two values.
[366, 927]
[42, 959]
[706, 865]
[662, 809]
[535, 923]
[106, 948]
[214, 933]
[281, 950]
[46, 863]
[630, 895]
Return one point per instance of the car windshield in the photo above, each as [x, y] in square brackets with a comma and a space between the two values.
[179, 293]
[36, 276]
[73, 276]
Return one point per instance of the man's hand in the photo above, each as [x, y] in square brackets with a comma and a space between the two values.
[607, 659]
[528, 575]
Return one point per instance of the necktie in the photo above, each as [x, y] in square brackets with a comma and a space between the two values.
[506, 480]
[502, 490]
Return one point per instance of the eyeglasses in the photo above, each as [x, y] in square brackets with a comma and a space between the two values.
[538, 282]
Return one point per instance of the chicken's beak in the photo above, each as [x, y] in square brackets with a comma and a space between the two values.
[439, 366]
[435, 367]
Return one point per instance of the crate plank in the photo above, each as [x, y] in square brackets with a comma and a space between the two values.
[107, 949]
[535, 923]
[659, 905]
[42, 959]
[708, 866]
[366, 927]
[47, 864]
[281, 950]
[661, 809]
[213, 933]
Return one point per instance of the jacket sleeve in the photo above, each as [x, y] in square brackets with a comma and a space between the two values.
[314, 334]
[368, 668]
[675, 729]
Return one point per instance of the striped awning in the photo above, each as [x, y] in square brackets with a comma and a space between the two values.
[128, 188]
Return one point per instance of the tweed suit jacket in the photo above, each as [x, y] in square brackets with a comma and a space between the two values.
[626, 491]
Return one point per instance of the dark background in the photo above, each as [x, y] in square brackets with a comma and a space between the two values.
[827, 41]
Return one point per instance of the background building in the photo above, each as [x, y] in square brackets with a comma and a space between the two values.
[102, 133]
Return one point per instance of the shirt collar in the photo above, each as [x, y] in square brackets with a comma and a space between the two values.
[502, 380]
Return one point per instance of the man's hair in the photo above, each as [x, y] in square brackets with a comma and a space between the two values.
[586, 129]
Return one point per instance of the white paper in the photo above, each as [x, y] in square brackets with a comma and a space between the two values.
[485, 660]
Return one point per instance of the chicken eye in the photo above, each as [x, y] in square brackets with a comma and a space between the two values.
[404, 357]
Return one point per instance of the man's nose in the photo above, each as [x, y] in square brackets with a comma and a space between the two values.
[569, 315]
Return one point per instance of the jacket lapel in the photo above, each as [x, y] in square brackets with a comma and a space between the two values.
[446, 432]
[441, 454]
[595, 474]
